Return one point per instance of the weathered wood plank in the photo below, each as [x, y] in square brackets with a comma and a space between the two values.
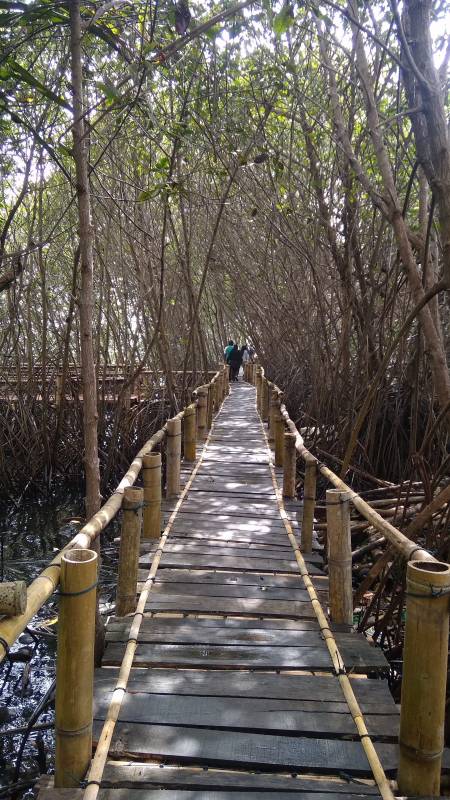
[183, 794]
[206, 547]
[228, 590]
[213, 561]
[224, 522]
[229, 606]
[213, 656]
[196, 745]
[153, 775]
[188, 632]
[241, 715]
[241, 538]
[243, 684]
[236, 578]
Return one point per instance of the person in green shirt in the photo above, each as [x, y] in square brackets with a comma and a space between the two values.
[228, 350]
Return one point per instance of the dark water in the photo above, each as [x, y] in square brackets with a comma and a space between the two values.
[29, 538]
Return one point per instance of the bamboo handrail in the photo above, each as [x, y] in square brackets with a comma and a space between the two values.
[39, 591]
[404, 546]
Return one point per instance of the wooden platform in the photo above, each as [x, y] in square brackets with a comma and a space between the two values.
[232, 692]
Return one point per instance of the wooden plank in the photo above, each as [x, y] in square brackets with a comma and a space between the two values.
[222, 506]
[235, 578]
[228, 590]
[190, 604]
[234, 504]
[188, 632]
[187, 532]
[122, 775]
[230, 606]
[240, 715]
[182, 794]
[205, 547]
[246, 657]
[224, 522]
[196, 745]
[174, 560]
[371, 693]
[230, 489]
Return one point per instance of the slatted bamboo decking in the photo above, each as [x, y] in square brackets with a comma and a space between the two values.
[232, 692]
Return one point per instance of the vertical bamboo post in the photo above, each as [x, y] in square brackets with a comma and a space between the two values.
[289, 466]
[202, 395]
[211, 404]
[173, 457]
[227, 379]
[258, 384]
[75, 667]
[264, 400]
[220, 380]
[309, 502]
[279, 438]
[339, 557]
[130, 539]
[272, 417]
[189, 438]
[424, 678]
[151, 476]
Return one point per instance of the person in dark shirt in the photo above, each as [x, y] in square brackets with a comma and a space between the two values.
[234, 359]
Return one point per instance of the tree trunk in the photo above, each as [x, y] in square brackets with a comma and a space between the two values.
[86, 300]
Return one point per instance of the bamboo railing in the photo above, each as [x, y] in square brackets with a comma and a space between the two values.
[423, 699]
[41, 589]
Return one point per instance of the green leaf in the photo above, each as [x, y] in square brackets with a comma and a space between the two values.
[30, 80]
[108, 89]
[149, 194]
[161, 164]
[284, 19]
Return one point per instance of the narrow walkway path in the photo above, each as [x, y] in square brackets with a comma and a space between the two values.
[232, 688]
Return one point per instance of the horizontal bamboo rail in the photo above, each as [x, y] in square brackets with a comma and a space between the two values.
[404, 546]
[39, 591]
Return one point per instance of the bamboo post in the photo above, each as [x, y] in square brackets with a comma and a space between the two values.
[227, 379]
[13, 598]
[264, 400]
[189, 438]
[309, 502]
[339, 557]
[202, 395]
[219, 386]
[130, 539]
[289, 465]
[151, 477]
[272, 418]
[211, 404]
[75, 667]
[173, 457]
[279, 439]
[258, 384]
[424, 678]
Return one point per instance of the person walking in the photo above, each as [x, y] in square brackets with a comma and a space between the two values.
[245, 355]
[234, 359]
[228, 350]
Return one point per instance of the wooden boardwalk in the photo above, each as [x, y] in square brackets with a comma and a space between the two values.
[232, 693]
